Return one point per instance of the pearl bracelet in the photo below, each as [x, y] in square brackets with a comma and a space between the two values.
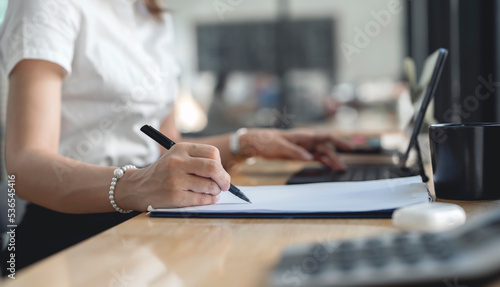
[117, 174]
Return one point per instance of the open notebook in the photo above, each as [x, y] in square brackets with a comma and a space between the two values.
[370, 199]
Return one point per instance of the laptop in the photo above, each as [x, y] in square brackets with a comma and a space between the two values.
[429, 79]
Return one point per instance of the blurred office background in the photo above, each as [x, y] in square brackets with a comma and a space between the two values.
[285, 63]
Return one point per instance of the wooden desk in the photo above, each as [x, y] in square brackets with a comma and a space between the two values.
[199, 252]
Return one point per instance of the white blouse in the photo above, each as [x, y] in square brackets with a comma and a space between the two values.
[120, 72]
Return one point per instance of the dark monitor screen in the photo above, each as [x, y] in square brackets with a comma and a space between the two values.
[271, 46]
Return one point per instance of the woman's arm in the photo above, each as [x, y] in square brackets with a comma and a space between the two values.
[188, 175]
[295, 144]
[32, 142]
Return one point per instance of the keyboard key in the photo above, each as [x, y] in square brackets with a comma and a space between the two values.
[321, 256]
[370, 174]
[438, 247]
[345, 256]
[375, 253]
[343, 177]
[406, 250]
[358, 174]
[385, 174]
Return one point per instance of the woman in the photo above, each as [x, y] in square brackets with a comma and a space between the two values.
[83, 77]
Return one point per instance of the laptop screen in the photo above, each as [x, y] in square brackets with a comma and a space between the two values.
[429, 80]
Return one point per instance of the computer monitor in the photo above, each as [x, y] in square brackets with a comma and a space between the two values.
[272, 46]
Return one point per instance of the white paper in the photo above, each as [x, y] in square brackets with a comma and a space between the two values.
[357, 196]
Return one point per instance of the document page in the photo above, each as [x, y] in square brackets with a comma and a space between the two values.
[358, 196]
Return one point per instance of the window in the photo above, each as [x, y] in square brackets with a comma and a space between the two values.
[3, 7]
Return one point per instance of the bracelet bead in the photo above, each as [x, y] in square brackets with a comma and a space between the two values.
[117, 174]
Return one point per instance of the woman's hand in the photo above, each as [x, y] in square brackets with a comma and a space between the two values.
[298, 144]
[188, 174]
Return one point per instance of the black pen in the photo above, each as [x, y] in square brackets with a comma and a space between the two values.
[168, 143]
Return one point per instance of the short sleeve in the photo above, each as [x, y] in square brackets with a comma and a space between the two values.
[39, 29]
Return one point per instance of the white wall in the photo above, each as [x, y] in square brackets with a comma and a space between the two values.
[381, 58]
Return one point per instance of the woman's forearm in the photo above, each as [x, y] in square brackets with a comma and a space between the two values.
[62, 184]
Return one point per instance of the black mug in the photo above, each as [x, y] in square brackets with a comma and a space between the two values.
[466, 160]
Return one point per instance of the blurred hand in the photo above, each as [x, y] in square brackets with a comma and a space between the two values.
[297, 144]
[186, 175]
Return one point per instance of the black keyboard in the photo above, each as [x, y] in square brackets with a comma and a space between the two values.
[466, 256]
[353, 173]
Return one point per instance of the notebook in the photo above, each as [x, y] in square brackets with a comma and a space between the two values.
[429, 80]
[365, 199]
